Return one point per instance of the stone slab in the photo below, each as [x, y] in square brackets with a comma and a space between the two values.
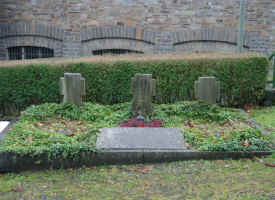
[3, 125]
[141, 138]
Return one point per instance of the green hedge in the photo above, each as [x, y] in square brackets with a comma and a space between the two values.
[242, 80]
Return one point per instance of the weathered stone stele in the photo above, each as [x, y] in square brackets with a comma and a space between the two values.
[143, 88]
[207, 90]
[72, 88]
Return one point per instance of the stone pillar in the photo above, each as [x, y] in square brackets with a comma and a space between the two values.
[207, 90]
[241, 26]
[71, 45]
[164, 42]
[72, 88]
[143, 88]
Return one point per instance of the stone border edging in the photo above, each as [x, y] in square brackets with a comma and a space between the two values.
[10, 162]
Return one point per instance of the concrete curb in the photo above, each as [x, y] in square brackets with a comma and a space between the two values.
[10, 162]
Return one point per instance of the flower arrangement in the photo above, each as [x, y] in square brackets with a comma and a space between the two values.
[134, 122]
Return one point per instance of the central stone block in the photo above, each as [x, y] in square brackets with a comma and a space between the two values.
[141, 138]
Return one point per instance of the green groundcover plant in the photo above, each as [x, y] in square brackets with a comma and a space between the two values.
[67, 130]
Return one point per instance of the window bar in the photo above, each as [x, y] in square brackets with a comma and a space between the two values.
[115, 52]
[23, 53]
[40, 52]
[28, 52]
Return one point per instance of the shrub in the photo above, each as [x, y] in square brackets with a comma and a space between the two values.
[242, 80]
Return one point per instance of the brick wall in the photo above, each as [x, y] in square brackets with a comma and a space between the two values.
[152, 26]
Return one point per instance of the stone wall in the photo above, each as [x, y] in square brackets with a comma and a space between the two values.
[26, 34]
[153, 25]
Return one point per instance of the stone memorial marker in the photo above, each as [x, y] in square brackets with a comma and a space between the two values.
[141, 138]
[207, 90]
[143, 88]
[72, 88]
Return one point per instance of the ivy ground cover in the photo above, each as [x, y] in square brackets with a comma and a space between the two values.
[66, 129]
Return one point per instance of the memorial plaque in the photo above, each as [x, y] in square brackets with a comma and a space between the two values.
[141, 138]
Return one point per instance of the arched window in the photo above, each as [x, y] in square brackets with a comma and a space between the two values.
[29, 52]
[115, 52]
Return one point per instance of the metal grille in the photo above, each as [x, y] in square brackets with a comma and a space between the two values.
[15, 53]
[28, 52]
[102, 52]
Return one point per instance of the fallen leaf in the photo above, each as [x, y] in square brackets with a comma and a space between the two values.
[144, 170]
[71, 135]
[220, 161]
[191, 124]
[140, 170]
[245, 143]
[270, 164]
[226, 124]
[39, 124]
[20, 188]
[187, 145]
[246, 166]
[28, 140]
[148, 168]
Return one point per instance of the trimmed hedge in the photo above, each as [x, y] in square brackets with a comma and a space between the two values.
[242, 80]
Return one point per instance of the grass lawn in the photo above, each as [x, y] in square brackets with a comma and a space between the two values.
[222, 179]
[228, 179]
[265, 116]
